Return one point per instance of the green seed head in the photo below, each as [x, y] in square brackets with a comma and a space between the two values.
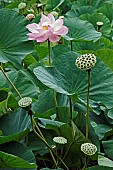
[88, 148]
[24, 102]
[86, 61]
[60, 140]
[99, 23]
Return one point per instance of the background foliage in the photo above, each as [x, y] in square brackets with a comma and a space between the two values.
[52, 87]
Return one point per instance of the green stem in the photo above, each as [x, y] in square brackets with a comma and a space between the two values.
[56, 103]
[71, 45]
[46, 145]
[49, 52]
[71, 112]
[66, 152]
[87, 108]
[16, 90]
[34, 123]
[88, 2]
[71, 117]
[43, 9]
[50, 149]
[98, 29]
[42, 137]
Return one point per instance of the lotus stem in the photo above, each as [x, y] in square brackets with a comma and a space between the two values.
[71, 116]
[16, 90]
[49, 53]
[40, 135]
[49, 147]
[99, 25]
[71, 41]
[56, 103]
[71, 112]
[87, 107]
[89, 2]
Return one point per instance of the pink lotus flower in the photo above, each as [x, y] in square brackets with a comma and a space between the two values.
[47, 29]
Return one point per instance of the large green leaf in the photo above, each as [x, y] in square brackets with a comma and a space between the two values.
[104, 161]
[94, 3]
[17, 156]
[11, 161]
[9, 103]
[108, 148]
[50, 169]
[80, 30]
[75, 139]
[64, 77]
[102, 130]
[99, 168]
[48, 102]
[106, 55]
[23, 83]
[82, 47]
[80, 122]
[52, 5]
[14, 126]
[3, 107]
[36, 144]
[99, 17]
[14, 44]
[75, 12]
[106, 9]
[58, 50]
[49, 124]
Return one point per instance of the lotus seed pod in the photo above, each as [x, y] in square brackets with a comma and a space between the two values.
[88, 148]
[22, 5]
[99, 23]
[86, 61]
[24, 102]
[30, 16]
[60, 140]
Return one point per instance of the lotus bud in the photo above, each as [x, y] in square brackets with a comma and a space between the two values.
[88, 148]
[30, 17]
[61, 17]
[25, 102]
[39, 5]
[22, 5]
[54, 13]
[86, 61]
[60, 140]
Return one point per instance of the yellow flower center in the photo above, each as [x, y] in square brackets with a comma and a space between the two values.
[45, 27]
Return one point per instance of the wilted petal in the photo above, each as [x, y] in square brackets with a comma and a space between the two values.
[58, 24]
[62, 31]
[51, 17]
[53, 38]
[33, 27]
[42, 38]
